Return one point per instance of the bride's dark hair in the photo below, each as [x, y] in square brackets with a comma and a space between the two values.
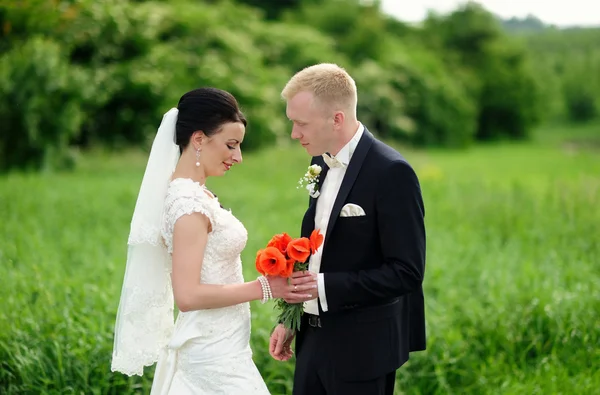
[205, 109]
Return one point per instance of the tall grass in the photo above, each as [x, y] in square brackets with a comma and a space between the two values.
[512, 279]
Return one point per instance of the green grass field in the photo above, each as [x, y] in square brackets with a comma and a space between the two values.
[512, 279]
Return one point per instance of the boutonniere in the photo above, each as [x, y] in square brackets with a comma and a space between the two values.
[310, 181]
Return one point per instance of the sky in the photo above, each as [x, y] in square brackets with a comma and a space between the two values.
[556, 12]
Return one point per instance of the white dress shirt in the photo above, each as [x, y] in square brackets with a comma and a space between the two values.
[329, 191]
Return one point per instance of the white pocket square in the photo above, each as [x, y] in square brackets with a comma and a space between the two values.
[352, 210]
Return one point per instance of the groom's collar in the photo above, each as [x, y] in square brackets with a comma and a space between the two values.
[347, 150]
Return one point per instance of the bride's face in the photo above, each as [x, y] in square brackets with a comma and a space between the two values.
[222, 150]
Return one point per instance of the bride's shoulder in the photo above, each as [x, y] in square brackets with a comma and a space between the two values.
[185, 196]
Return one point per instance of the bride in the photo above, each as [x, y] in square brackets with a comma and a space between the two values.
[184, 249]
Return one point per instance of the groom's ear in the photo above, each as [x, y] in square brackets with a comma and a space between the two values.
[338, 119]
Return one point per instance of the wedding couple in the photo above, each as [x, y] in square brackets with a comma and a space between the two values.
[363, 296]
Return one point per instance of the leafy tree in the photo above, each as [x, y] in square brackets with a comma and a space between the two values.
[507, 96]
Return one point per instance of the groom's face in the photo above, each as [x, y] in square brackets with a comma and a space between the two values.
[311, 127]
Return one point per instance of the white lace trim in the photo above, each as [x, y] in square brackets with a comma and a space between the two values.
[138, 344]
[185, 197]
[146, 234]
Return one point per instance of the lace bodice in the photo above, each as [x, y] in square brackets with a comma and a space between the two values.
[226, 240]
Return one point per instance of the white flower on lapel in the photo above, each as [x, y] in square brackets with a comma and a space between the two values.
[310, 180]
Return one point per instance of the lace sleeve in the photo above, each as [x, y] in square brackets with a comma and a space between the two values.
[179, 204]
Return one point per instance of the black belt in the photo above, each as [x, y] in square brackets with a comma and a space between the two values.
[313, 320]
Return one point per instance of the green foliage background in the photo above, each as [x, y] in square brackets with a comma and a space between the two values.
[78, 73]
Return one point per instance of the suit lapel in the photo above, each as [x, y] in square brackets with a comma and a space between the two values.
[308, 223]
[352, 171]
[324, 169]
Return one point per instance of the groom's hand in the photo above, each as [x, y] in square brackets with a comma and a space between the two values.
[280, 344]
[305, 283]
[301, 287]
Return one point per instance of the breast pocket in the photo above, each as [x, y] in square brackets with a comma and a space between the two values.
[352, 229]
[353, 221]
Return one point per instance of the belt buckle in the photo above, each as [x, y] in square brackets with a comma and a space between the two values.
[314, 321]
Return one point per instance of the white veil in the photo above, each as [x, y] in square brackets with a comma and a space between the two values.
[145, 317]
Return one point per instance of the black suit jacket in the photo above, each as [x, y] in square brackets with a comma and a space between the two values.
[373, 265]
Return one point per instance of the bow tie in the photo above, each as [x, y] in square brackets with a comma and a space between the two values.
[332, 162]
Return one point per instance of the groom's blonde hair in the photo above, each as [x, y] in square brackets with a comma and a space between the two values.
[331, 86]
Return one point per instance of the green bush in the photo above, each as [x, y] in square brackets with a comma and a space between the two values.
[456, 79]
[581, 84]
[438, 100]
[215, 46]
[294, 46]
[358, 28]
[581, 103]
[569, 61]
[41, 98]
[381, 107]
[413, 99]
[111, 40]
[507, 94]
[509, 102]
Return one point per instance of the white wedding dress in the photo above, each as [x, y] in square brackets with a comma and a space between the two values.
[209, 352]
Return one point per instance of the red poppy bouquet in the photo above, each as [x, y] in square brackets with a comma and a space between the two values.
[283, 256]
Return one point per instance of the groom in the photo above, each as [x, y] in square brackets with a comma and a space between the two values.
[367, 312]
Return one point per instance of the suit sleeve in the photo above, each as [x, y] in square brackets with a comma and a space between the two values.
[400, 221]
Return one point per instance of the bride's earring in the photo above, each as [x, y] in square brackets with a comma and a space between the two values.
[197, 157]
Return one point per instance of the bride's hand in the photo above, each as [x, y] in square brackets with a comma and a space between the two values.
[305, 287]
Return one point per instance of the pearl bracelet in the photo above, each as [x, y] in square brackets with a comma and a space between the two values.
[266, 289]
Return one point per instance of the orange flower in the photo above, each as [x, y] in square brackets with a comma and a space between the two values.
[316, 239]
[281, 242]
[289, 268]
[270, 261]
[258, 262]
[299, 249]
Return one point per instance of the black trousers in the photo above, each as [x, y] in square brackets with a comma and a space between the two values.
[315, 373]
